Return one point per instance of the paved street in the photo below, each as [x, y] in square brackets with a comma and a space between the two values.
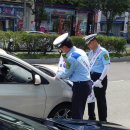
[118, 93]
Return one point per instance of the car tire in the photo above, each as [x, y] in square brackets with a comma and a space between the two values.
[62, 111]
[49, 47]
[11, 47]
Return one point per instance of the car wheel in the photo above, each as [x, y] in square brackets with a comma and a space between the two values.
[49, 47]
[61, 112]
[11, 47]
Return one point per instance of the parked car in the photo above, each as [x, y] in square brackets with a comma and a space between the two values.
[10, 120]
[35, 32]
[49, 46]
[41, 45]
[32, 90]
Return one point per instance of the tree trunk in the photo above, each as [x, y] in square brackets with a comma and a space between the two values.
[109, 26]
[39, 10]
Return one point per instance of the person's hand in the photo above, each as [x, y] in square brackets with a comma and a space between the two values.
[98, 83]
[58, 73]
[57, 76]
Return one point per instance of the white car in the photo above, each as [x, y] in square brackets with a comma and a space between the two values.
[32, 90]
[45, 41]
[38, 32]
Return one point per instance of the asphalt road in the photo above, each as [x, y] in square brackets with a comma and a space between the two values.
[118, 93]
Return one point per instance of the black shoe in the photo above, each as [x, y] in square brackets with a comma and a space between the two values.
[103, 122]
[93, 119]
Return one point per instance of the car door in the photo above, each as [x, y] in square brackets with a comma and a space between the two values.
[18, 91]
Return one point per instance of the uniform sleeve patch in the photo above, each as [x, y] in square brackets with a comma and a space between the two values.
[75, 55]
[106, 57]
[68, 65]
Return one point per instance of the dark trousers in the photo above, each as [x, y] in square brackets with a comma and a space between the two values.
[81, 90]
[100, 94]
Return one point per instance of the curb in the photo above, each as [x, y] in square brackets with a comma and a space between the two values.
[56, 60]
[42, 61]
[121, 59]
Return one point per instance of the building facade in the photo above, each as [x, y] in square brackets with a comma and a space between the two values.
[12, 16]
[62, 19]
[119, 27]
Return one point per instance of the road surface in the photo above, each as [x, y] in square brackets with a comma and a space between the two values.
[118, 93]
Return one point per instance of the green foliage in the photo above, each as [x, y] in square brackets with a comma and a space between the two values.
[129, 26]
[78, 41]
[33, 42]
[111, 43]
[37, 56]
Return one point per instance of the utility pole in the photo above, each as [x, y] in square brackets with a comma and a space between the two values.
[24, 17]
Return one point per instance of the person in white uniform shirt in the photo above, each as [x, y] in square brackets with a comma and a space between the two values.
[77, 71]
[99, 66]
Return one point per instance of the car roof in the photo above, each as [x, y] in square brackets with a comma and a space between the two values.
[35, 32]
[22, 62]
[2, 51]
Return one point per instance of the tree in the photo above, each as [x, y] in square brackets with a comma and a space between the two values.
[38, 12]
[109, 8]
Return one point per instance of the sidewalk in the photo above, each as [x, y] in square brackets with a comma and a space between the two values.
[56, 60]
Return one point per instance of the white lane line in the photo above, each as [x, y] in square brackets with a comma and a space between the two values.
[118, 81]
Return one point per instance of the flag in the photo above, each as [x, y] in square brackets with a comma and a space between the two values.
[91, 98]
[61, 64]
[61, 69]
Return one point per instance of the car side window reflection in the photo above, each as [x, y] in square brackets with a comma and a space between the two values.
[13, 73]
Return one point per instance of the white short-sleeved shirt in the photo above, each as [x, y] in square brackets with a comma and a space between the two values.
[102, 59]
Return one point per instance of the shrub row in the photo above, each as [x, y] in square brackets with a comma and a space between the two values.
[111, 43]
[33, 41]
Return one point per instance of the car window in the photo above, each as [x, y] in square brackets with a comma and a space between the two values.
[13, 73]
[45, 70]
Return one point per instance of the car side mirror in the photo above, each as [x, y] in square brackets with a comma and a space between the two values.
[37, 79]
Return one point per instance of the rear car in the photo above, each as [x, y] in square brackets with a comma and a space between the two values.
[10, 120]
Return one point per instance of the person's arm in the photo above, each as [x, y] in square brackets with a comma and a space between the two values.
[97, 83]
[105, 71]
[106, 62]
[70, 67]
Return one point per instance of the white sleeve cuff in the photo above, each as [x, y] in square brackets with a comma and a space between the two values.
[105, 71]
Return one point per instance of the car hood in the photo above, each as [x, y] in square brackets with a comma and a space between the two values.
[84, 124]
[11, 119]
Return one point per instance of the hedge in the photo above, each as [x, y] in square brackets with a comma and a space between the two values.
[33, 42]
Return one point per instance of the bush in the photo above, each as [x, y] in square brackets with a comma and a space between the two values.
[113, 44]
[79, 42]
[26, 41]
[33, 42]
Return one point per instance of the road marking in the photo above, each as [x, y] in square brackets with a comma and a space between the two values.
[118, 81]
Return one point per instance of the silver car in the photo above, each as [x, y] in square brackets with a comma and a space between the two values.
[32, 90]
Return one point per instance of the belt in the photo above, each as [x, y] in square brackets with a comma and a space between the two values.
[78, 82]
[92, 72]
